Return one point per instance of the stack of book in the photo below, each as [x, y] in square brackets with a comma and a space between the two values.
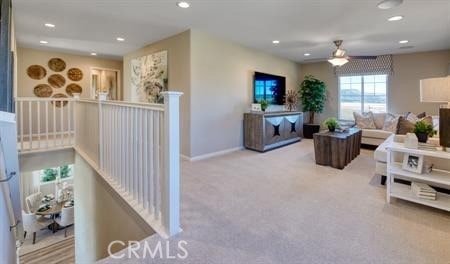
[423, 191]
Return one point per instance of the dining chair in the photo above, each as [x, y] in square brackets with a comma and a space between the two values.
[67, 218]
[68, 190]
[32, 224]
[33, 202]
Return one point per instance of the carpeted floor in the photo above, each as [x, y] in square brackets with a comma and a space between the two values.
[279, 207]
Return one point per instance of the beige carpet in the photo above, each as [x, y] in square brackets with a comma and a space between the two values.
[279, 207]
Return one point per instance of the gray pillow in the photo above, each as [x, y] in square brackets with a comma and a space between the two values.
[391, 123]
[364, 120]
[378, 119]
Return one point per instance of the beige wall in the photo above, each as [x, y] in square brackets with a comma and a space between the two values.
[403, 84]
[222, 90]
[101, 216]
[178, 56]
[27, 57]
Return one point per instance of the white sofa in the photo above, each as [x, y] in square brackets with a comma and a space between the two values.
[376, 137]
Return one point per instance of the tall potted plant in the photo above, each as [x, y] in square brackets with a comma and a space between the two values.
[313, 96]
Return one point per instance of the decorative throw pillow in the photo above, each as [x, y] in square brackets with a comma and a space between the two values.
[405, 126]
[390, 123]
[422, 115]
[414, 118]
[364, 120]
[378, 119]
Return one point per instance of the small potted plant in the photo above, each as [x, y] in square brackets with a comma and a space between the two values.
[264, 104]
[331, 123]
[423, 130]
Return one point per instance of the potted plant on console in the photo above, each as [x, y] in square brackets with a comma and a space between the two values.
[331, 123]
[313, 96]
[423, 130]
[264, 104]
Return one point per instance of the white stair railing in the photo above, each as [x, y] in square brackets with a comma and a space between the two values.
[44, 123]
[10, 205]
[135, 147]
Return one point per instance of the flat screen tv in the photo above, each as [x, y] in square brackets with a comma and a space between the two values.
[269, 87]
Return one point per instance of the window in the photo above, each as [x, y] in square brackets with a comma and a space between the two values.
[49, 175]
[362, 93]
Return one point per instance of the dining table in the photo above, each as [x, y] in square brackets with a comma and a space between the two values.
[53, 210]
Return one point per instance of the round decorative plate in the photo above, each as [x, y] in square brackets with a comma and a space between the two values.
[56, 80]
[58, 103]
[57, 64]
[75, 74]
[43, 90]
[73, 88]
[36, 72]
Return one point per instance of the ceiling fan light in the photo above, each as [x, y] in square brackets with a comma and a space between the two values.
[388, 4]
[338, 61]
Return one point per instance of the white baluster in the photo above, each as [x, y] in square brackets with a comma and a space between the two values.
[30, 125]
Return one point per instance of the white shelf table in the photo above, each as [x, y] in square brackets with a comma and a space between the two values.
[437, 177]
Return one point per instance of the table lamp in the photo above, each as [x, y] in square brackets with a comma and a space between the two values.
[437, 90]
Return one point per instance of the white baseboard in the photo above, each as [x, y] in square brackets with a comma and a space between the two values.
[212, 154]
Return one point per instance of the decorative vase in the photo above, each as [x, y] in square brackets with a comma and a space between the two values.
[331, 129]
[411, 141]
[422, 137]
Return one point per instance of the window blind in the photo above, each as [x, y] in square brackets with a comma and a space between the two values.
[381, 65]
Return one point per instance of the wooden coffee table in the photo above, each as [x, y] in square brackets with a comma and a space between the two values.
[337, 149]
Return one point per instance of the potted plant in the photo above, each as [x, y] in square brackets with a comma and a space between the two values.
[331, 123]
[423, 130]
[313, 96]
[264, 104]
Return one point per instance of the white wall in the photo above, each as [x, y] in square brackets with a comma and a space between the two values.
[222, 89]
[7, 238]
[101, 216]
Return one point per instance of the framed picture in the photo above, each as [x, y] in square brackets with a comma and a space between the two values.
[256, 107]
[413, 163]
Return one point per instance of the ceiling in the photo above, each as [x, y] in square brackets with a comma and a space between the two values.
[302, 26]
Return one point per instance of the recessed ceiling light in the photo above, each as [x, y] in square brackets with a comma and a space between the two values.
[43, 42]
[403, 41]
[388, 4]
[306, 54]
[93, 54]
[183, 4]
[120, 39]
[395, 18]
[276, 42]
[49, 25]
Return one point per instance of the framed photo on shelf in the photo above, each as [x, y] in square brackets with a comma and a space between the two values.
[413, 163]
[256, 107]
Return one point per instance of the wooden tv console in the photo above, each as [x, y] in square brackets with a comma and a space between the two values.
[265, 131]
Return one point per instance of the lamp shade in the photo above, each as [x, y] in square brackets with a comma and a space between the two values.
[435, 90]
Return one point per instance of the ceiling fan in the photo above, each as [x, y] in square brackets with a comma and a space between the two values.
[338, 57]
